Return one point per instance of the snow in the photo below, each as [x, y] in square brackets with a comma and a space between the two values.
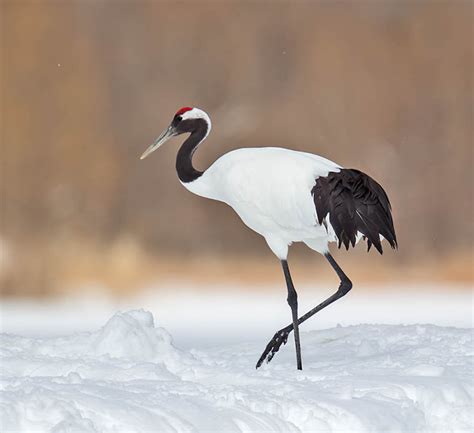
[128, 374]
[208, 316]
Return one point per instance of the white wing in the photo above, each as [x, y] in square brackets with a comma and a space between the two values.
[270, 188]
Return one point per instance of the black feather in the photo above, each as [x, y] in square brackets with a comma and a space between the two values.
[355, 203]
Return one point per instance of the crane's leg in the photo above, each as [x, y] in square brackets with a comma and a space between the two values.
[281, 337]
[292, 300]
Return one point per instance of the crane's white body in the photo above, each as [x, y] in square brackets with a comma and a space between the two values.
[270, 189]
[286, 196]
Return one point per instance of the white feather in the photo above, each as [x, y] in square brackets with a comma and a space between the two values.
[197, 113]
[270, 189]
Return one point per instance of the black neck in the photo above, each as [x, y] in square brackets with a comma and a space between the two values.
[184, 159]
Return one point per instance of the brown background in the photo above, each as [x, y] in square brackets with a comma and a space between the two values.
[383, 86]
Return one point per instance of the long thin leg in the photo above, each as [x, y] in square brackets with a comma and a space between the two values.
[281, 337]
[292, 300]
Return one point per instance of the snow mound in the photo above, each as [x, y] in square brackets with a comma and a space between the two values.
[133, 336]
[128, 376]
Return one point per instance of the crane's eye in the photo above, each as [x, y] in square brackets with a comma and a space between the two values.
[178, 119]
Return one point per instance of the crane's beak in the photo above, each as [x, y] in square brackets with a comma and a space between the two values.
[163, 138]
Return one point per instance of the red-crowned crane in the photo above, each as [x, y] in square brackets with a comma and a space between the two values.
[286, 196]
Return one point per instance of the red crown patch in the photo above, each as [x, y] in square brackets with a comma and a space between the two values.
[183, 110]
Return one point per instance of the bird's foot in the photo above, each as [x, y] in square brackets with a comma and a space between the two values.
[281, 337]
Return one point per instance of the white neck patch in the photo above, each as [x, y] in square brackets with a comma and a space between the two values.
[197, 113]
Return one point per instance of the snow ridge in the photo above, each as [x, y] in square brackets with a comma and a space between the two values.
[128, 376]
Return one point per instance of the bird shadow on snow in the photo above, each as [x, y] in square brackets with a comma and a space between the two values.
[129, 376]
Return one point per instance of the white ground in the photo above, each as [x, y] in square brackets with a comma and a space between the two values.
[124, 372]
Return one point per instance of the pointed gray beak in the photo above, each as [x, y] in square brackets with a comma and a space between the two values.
[163, 138]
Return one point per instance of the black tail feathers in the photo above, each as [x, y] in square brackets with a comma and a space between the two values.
[355, 203]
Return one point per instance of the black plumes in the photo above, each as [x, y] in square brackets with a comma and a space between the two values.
[355, 203]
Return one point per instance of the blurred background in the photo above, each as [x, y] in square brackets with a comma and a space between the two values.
[86, 86]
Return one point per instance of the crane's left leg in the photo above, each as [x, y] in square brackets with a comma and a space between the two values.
[292, 300]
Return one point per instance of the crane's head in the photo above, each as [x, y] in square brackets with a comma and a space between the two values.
[186, 120]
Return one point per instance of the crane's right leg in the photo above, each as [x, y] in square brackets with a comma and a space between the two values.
[281, 337]
[293, 303]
